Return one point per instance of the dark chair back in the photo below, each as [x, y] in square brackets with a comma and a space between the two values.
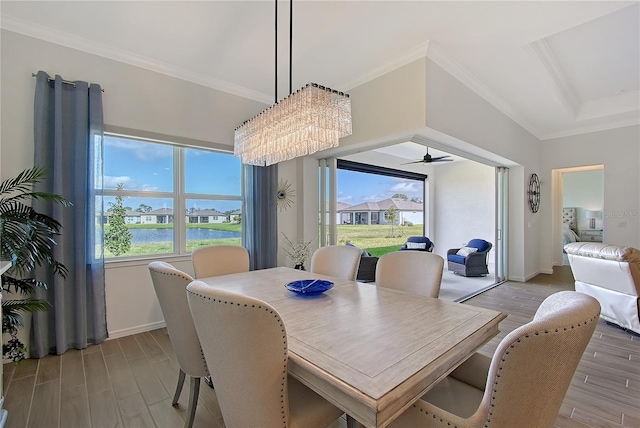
[416, 243]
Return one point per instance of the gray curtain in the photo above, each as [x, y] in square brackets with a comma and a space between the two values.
[68, 129]
[260, 227]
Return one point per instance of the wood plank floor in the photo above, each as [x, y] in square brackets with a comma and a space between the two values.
[129, 382]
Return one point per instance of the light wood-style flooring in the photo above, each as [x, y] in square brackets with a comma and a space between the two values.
[129, 382]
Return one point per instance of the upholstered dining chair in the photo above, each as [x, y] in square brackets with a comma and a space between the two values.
[525, 382]
[170, 285]
[340, 261]
[249, 347]
[417, 272]
[215, 260]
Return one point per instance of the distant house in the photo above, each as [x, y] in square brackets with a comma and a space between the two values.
[206, 216]
[159, 216]
[234, 216]
[130, 217]
[376, 212]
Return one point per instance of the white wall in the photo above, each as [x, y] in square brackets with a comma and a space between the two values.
[463, 205]
[392, 103]
[133, 98]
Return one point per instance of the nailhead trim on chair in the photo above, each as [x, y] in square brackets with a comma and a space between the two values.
[513, 345]
[526, 336]
[286, 350]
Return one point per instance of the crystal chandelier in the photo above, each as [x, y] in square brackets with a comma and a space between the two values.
[313, 118]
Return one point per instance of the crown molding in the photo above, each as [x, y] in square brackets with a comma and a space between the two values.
[592, 128]
[405, 58]
[75, 42]
[627, 102]
[563, 89]
[469, 80]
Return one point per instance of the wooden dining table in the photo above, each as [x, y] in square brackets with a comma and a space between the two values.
[371, 351]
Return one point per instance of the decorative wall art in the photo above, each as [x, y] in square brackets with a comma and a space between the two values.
[285, 195]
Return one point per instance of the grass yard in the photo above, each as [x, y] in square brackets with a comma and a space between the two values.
[377, 239]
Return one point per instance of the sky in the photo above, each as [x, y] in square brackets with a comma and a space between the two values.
[144, 166]
[357, 187]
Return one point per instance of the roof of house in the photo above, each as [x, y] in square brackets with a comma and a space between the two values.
[385, 204]
[161, 211]
[206, 212]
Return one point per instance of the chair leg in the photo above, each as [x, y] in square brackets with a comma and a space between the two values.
[194, 391]
[176, 396]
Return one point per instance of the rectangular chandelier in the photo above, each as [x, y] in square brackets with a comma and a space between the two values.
[311, 119]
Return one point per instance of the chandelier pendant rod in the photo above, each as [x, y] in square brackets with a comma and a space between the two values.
[290, 45]
[276, 54]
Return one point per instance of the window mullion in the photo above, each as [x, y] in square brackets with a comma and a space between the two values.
[180, 228]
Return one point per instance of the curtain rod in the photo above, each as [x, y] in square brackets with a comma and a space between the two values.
[63, 81]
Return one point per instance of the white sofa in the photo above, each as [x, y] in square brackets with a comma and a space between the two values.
[611, 274]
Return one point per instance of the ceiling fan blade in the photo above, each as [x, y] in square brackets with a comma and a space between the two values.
[418, 161]
[442, 160]
[440, 157]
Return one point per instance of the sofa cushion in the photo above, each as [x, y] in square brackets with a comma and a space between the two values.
[480, 244]
[603, 251]
[456, 258]
[465, 251]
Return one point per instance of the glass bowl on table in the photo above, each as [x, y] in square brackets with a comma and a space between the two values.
[309, 287]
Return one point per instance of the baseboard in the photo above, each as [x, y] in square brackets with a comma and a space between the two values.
[135, 330]
[547, 271]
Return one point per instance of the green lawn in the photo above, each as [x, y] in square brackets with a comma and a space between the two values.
[377, 239]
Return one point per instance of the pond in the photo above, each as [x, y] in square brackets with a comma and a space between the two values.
[193, 234]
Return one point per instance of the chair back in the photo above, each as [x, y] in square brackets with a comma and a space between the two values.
[339, 261]
[482, 245]
[216, 260]
[417, 272]
[249, 348]
[416, 243]
[533, 365]
[170, 285]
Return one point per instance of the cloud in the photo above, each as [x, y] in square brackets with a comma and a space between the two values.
[143, 151]
[111, 182]
[406, 187]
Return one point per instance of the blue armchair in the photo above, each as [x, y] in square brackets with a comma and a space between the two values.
[469, 262]
[418, 243]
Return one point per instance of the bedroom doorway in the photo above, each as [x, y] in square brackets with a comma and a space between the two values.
[581, 207]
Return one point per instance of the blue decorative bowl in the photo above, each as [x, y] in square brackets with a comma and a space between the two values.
[309, 287]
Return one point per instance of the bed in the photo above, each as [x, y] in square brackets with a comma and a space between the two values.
[569, 226]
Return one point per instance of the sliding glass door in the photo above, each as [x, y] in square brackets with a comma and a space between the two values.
[502, 223]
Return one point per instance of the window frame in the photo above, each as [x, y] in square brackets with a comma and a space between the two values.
[178, 195]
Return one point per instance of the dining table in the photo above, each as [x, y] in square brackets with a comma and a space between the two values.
[371, 351]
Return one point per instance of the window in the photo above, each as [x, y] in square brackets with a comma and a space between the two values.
[148, 183]
[372, 200]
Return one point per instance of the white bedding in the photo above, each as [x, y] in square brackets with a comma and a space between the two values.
[570, 236]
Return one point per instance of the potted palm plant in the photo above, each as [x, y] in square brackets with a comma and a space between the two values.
[27, 239]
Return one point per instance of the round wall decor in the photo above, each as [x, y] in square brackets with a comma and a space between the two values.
[285, 195]
[534, 193]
